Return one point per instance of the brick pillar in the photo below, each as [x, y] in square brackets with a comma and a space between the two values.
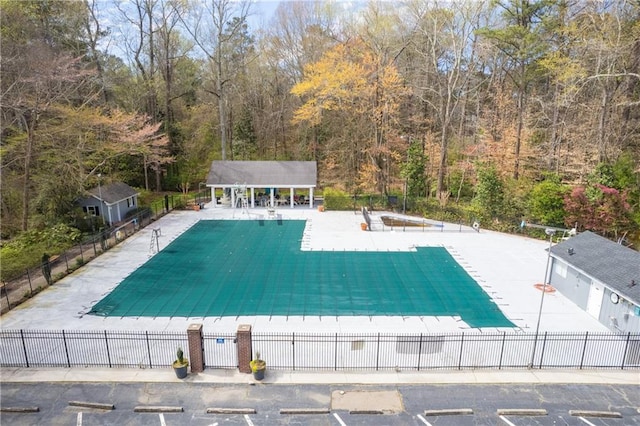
[196, 350]
[243, 346]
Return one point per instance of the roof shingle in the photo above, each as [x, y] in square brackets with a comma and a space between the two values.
[612, 264]
[113, 193]
[263, 174]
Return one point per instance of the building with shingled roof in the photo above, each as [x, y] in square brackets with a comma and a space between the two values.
[601, 277]
[111, 202]
[263, 183]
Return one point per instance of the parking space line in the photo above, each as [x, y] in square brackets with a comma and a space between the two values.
[162, 422]
[248, 420]
[423, 420]
[339, 419]
[586, 421]
[504, 419]
[79, 419]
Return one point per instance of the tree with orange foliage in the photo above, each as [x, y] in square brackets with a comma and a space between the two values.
[353, 87]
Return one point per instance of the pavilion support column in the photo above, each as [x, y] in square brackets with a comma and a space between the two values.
[272, 196]
[253, 197]
[213, 196]
[291, 193]
[311, 197]
[233, 198]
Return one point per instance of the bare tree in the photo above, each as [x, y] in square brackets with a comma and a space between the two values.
[213, 25]
[445, 41]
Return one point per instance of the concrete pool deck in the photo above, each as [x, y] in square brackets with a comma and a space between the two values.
[505, 266]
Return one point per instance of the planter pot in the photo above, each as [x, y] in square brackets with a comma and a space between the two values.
[181, 371]
[363, 226]
[259, 374]
[320, 208]
[258, 368]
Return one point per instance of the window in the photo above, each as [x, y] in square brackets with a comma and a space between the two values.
[92, 210]
[561, 269]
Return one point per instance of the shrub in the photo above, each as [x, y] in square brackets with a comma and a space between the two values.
[335, 199]
[546, 202]
[489, 193]
[25, 251]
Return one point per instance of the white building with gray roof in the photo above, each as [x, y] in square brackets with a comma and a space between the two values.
[264, 183]
[601, 277]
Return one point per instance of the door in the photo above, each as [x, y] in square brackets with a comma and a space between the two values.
[594, 303]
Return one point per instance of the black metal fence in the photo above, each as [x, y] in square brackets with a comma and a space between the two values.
[72, 348]
[326, 351]
[299, 351]
[15, 290]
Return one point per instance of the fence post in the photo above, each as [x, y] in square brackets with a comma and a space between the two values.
[293, 350]
[146, 335]
[419, 351]
[81, 253]
[5, 290]
[544, 343]
[461, 345]
[66, 261]
[29, 279]
[106, 342]
[243, 346]
[335, 355]
[66, 349]
[504, 336]
[378, 353]
[24, 347]
[626, 347]
[584, 348]
[196, 348]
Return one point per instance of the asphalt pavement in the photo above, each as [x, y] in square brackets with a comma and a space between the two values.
[225, 397]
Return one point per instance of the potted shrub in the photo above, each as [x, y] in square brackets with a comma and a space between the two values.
[258, 367]
[180, 364]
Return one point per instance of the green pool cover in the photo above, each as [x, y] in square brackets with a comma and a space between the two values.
[245, 268]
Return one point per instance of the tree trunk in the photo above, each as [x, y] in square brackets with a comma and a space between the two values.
[602, 120]
[30, 124]
[516, 165]
[553, 142]
[444, 139]
[443, 160]
[146, 173]
[222, 115]
[158, 179]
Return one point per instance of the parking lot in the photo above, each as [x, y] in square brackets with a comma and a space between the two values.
[268, 404]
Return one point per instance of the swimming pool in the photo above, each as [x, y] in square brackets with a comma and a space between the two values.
[221, 268]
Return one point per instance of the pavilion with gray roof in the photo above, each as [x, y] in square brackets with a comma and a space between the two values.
[260, 183]
[601, 277]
